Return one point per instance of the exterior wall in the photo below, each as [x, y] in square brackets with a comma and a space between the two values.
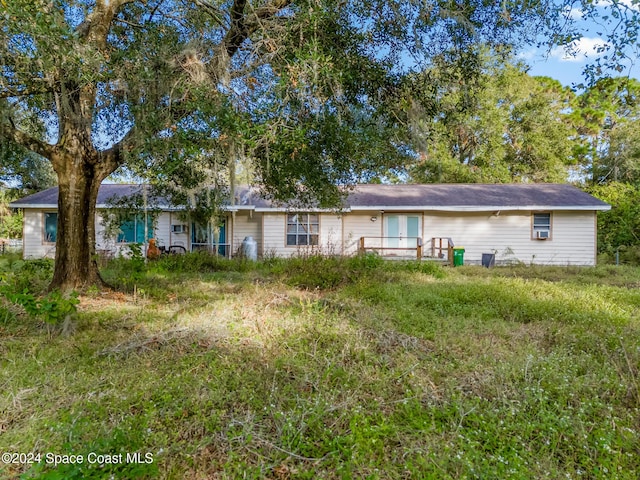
[508, 235]
[245, 225]
[358, 225]
[162, 232]
[331, 234]
[168, 238]
[33, 235]
[274, 241]
[35, 247]
[105, 245]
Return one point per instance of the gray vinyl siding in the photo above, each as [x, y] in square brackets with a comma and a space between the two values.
[508, 235]
[358, 225]
[245, 225]
[274, 236]
[33, 244]
[505, 233]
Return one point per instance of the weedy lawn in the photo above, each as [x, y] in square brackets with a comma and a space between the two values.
[327, 368]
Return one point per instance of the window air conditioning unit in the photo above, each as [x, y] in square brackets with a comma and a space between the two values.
[542, 234]
[178, 229]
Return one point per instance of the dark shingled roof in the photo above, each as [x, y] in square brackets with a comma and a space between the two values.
[452, 197]
[474, 196]
[49, 198]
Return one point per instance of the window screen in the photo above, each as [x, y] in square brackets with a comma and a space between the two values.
[302, 229]
[50, 227]
[541, 223]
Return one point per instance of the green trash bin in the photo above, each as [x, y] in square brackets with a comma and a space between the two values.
[458, 256]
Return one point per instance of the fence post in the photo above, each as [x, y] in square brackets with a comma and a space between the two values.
[361, 247]
[419, 248]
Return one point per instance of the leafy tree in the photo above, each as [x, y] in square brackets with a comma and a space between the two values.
[10, 222]
[620, 227]
[622, 160]
[503, 126]
[606, 117]
[21, 168]
[283, 82]
[26, 171]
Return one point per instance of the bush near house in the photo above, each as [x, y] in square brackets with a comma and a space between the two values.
[619, 229]
[10, 222]
[331, 368]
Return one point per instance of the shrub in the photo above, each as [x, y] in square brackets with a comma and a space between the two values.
[54, 308]
[321, 272]
[30, 275]
[201, 262]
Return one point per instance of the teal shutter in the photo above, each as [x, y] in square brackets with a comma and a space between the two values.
[133, 230]
[139, 229]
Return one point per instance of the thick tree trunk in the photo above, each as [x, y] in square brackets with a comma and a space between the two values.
[75, 265]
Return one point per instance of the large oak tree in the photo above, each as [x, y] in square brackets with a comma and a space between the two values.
[309, 90]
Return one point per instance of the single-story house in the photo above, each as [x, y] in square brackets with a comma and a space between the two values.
[550, 224]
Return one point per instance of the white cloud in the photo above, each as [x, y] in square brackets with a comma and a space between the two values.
[528, 55]
[633, 4]
[572, 13]
[580, 50]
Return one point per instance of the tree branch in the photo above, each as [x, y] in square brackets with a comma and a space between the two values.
[242, 25]
[9, 131]
[212, 10]
[95, 27]
[113, 157]
[7, 92]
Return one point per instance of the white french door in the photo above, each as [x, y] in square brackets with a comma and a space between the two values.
[402, 231]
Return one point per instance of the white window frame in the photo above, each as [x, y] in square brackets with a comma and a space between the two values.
[538, 224]
[302, 226]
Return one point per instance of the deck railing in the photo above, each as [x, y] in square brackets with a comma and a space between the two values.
[441, 247]
[385, 246]
[440, 244]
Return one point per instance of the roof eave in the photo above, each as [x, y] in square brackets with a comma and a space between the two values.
[300, 209]
[403, 208]
[479, 208]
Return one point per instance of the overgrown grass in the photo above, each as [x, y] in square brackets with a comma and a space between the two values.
[332, 368]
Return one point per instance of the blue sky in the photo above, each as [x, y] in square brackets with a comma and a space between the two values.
[569, 69]
[567, 64]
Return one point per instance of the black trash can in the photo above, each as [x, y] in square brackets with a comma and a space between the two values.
[488, 260]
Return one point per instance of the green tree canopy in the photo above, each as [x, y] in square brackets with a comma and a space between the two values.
[501, 126]
[606, 117]
[619, 229]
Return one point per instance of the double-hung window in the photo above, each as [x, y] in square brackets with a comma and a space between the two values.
[50, 227]
[302, 229]
[541, 226]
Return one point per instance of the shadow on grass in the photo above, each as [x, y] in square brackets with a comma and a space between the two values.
[325, 395]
